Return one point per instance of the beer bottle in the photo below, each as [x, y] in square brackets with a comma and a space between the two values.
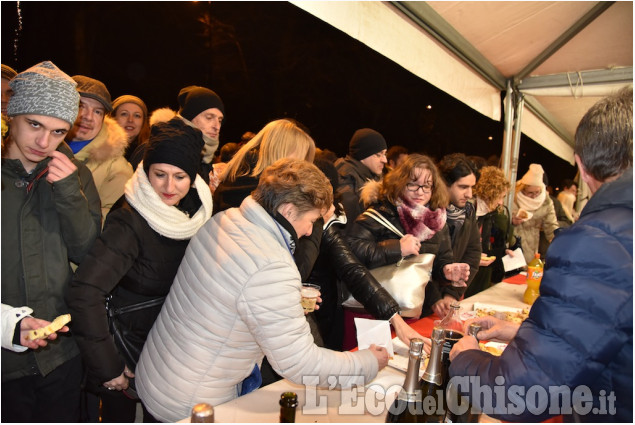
[535, 270]
[431, 383]
[407, 405]
[288, 404]
[202, 413]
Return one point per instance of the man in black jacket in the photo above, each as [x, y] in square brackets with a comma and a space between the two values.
[460, 176]
[365, 162]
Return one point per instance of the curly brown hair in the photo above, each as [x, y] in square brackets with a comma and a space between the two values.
[492, 185]
[410, 170]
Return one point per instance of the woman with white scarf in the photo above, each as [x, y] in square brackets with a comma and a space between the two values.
[134, 261]
[533, 211]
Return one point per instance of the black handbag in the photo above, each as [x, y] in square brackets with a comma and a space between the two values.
[128, 344]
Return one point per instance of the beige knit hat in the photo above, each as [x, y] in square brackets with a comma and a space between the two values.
[533, 177]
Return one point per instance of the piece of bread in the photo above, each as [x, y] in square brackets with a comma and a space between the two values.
[522, 214]
[490, 349]
[55, 326]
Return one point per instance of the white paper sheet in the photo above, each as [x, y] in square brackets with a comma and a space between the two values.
[374, 332]
[515, 262]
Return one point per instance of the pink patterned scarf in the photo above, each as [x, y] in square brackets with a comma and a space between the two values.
[420, 221]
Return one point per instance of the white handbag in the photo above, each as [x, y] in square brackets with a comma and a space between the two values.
[405, 280]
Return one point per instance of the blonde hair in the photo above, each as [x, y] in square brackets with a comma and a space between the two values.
[278, 139]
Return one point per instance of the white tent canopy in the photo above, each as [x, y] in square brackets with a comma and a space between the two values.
[554, 59]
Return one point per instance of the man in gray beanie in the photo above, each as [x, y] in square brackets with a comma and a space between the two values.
[365, 161]
[100, 142]
[50, 218]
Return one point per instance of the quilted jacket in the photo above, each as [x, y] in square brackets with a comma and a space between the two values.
[235, 299]
[580, 329]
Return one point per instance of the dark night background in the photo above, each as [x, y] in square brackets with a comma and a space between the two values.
[266, 60]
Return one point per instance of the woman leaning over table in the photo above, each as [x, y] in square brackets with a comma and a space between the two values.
[413, 198]
[236, 299]
[135, 260]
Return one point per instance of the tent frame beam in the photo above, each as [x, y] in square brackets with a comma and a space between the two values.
[621, 75]
[564, 38]
[430, 21]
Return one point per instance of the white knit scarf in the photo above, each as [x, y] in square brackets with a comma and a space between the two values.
[531, 204]
[167, 220]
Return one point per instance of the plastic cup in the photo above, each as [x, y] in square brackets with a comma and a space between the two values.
[310, 294]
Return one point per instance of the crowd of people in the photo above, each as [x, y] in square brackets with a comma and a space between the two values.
[181, 261]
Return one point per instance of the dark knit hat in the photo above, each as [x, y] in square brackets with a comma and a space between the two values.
[45, 90]
[128, 98]
[366, 142]
[95, 89]
[195, 99]
[8, 72]
[175, 143]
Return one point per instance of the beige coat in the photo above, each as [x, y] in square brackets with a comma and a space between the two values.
[104, 158]
[544, 218]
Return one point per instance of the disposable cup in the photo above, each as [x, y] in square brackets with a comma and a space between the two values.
[309, 293]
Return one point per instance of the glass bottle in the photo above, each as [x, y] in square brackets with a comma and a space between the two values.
[460, 410]
[202, 413]
[431, 383]
[452, 320]
[535, 270]
[407, 405]
[288, 404]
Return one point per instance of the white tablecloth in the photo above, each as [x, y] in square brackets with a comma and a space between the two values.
[366, 404]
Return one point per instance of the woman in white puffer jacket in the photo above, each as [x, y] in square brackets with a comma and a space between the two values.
[236, 299]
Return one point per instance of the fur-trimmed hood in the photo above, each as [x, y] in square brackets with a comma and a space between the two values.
[166, 114]
[370, 193]
[110, 143]
[161, 115]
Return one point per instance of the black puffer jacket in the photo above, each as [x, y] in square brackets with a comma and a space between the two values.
[136, 264]
[353, 175]
[376, 246]
[466, 243]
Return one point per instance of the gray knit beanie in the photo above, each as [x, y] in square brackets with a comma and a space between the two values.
[45, 90]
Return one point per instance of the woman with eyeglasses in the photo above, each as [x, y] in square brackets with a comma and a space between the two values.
[533, 211]
[413, 198]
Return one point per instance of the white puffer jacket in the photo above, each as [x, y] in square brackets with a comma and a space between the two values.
[235, 299]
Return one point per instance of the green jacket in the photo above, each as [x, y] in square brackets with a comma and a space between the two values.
[44, 227]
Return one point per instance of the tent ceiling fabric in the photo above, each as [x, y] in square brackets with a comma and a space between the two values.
[505, 37]
[384, 29]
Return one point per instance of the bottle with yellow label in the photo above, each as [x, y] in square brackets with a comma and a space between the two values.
[535, 269]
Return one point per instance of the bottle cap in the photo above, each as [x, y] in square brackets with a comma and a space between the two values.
[416, 346]
[474, 329]
[289, 399]
[202, 413]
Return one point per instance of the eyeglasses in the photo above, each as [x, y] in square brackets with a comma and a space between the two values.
[413, 187]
